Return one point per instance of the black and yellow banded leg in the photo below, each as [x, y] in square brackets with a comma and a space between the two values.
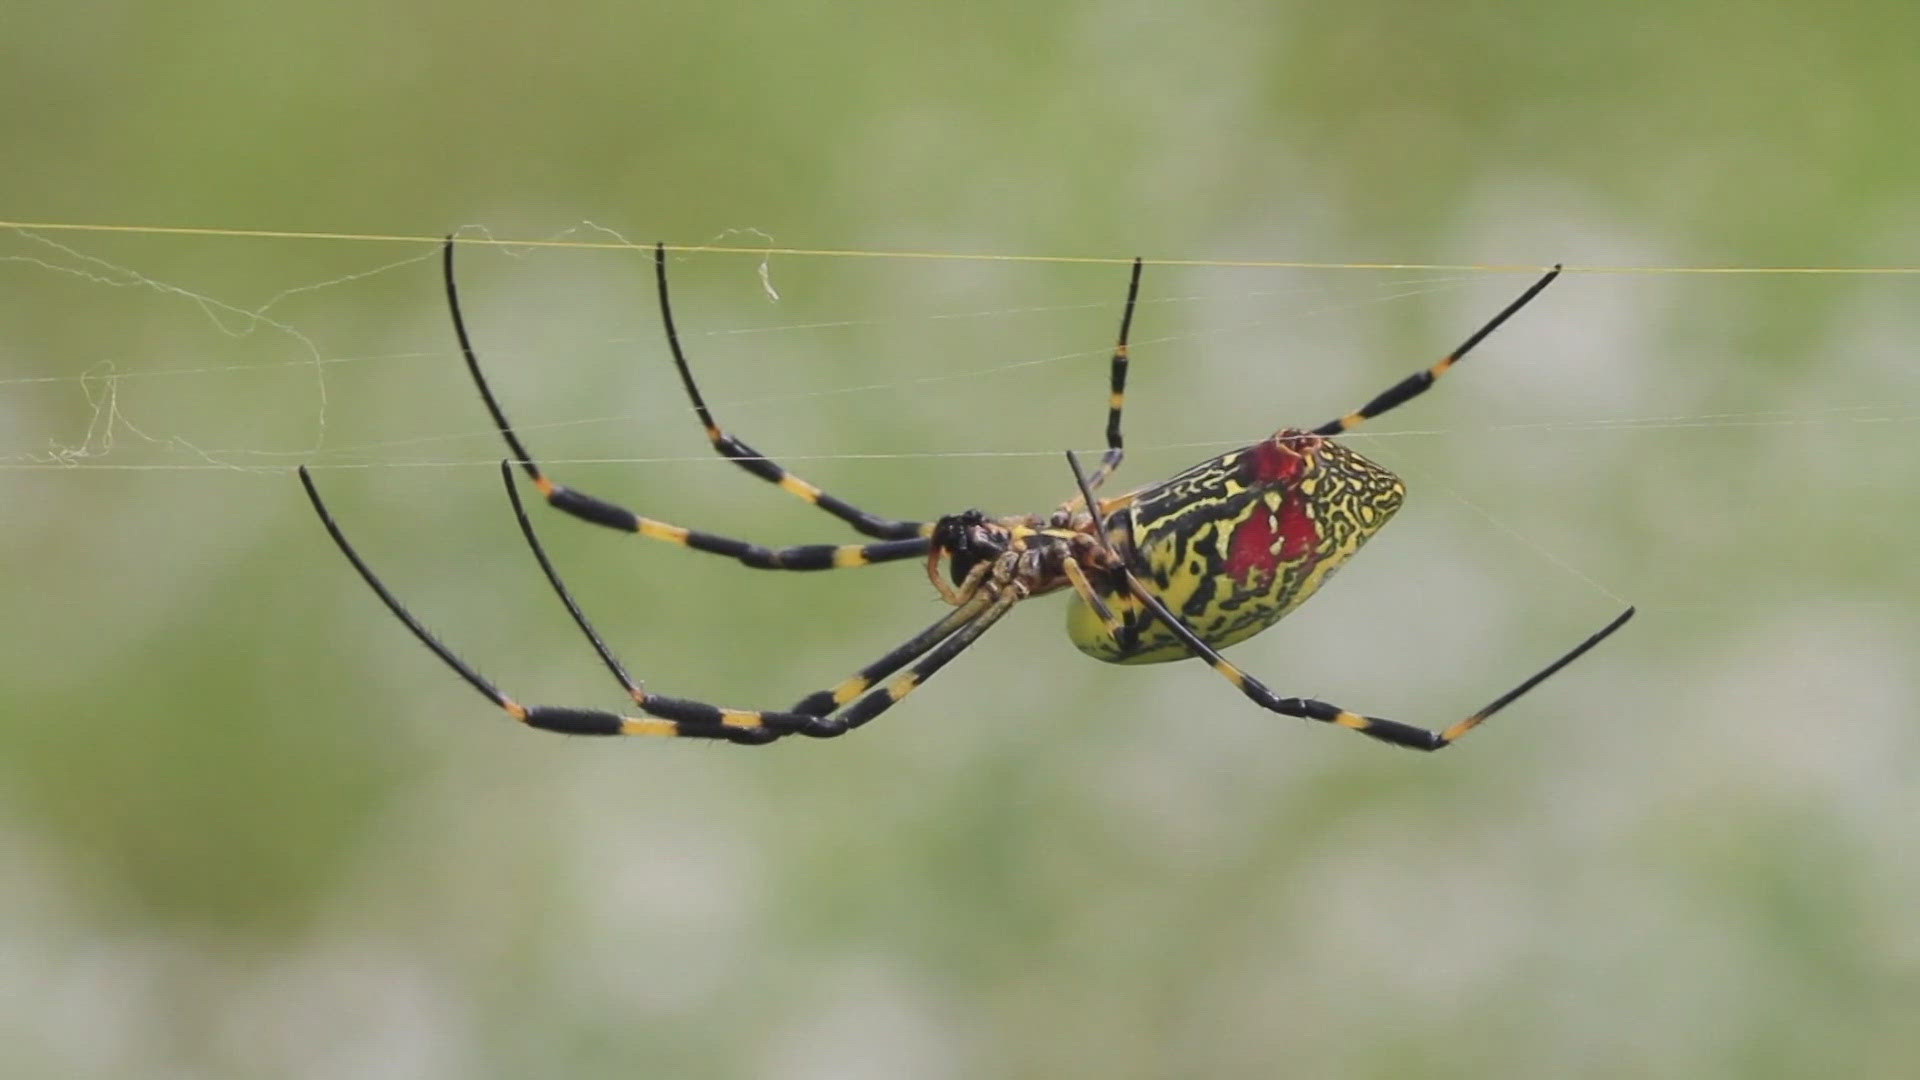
[823, 702]
[682, 717]
[1117, 387]
[738, 452]
[668, 716]
[797, 557]
[694, 718]
[891, 692]
[1390, 731]
[601, 512]
[1417, 383]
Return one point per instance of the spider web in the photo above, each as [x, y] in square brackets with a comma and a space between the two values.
[119, 433]
[112, 438]
[357, 369]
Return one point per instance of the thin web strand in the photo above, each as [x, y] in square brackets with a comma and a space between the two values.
[330, 459]
[507, 353]
[101, 382]
[769, 251]
[108, 415]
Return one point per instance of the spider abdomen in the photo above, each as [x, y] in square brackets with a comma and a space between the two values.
[1235, 543]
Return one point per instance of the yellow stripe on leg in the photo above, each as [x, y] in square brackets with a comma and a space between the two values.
[902, 685]
[660, 530]
[851, 555]
[850, 689]
[1352, 720]
[648, 725]
[797, 486]
[1461, 728]
[741, 718]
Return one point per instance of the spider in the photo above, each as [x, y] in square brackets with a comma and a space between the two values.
[1180, 568]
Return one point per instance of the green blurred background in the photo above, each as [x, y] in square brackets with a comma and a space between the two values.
[248, 828]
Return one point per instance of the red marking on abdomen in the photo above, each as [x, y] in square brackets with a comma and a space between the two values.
[1270, 538]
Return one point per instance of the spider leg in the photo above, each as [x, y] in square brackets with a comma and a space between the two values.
[580, 619]
[819, 703]
[738, 452]
[823, 702]
[683, 717]
[671, 716]
[600, 512]
[893, 690]
[1390, 731]
[1417, 383]
[1117, 387]
[1077, 577]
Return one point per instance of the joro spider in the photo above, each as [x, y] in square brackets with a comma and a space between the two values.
[1180, 568]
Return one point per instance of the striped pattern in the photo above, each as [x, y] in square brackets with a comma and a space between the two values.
[907, 539]
[852, 703]
[824, 702]
[825, 714]
[799, 557]
[1117, 387]
[1189, 534]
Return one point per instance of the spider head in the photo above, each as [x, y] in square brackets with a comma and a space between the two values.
[969, 538]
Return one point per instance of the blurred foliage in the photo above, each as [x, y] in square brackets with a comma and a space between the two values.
[251, 829]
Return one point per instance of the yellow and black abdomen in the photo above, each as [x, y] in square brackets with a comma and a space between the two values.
[1234, 544]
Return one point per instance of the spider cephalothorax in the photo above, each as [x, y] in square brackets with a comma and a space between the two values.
[967, 539]
[1178, 569]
